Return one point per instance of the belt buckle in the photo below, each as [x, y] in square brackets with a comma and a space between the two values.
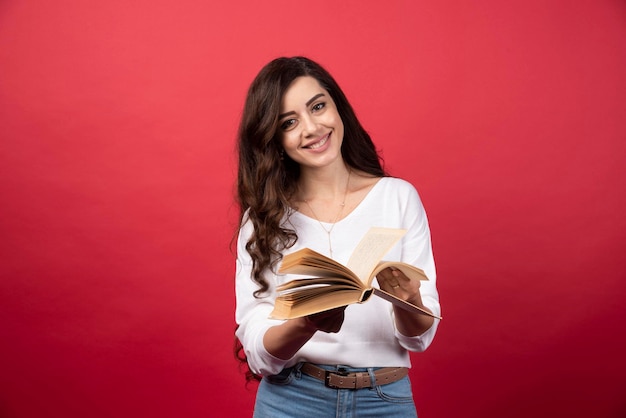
[327, 374]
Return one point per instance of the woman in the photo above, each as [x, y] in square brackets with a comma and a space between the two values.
[310, 176]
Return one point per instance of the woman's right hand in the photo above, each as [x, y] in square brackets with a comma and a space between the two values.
[284, 341]
[327, 321]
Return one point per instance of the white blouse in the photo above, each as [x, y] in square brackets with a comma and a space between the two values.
[368, 337]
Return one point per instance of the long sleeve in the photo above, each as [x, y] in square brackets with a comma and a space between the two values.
[417, 250]
[252, 314]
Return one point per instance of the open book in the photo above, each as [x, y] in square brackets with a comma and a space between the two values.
[334, 285]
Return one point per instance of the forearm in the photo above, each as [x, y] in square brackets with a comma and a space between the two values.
[413, 324]
[283, 341]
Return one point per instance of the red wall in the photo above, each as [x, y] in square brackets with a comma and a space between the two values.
[117, 126]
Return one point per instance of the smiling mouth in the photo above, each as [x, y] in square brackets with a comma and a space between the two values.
[319, 144]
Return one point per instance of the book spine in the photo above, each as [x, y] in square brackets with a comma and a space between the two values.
[402, 303]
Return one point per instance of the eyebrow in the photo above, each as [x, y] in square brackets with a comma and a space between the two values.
[308, 103]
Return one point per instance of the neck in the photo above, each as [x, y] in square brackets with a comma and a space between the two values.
[324, 184]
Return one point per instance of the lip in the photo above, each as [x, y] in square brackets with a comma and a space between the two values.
[325, 139]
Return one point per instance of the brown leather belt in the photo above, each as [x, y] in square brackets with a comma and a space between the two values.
[356, 380]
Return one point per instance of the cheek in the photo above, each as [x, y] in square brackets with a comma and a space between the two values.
[339, 129]
[336, 120]
[340, 124]
[288, 141]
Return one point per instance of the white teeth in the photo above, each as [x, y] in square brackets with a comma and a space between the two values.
[318, 144]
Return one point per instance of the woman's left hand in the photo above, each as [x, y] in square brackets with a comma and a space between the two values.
[393, 281]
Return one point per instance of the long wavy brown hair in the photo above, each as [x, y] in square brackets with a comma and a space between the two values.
[268, 178]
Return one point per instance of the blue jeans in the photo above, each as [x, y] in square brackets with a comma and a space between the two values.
[292, 394]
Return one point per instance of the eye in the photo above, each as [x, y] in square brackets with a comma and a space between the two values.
[318, 106]
[287, 124]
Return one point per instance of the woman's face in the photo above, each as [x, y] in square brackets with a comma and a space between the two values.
[310, 126]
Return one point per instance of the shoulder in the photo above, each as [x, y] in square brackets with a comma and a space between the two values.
[400, 191]
[397, 185]
[364, 181]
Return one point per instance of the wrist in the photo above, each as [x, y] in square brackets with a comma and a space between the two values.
[307, 326]
[417, 301]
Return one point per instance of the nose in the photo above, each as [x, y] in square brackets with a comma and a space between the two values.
[309, 126]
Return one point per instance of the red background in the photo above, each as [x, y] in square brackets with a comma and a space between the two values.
[117, 127]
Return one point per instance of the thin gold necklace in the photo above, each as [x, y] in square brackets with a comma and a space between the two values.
[341, 206]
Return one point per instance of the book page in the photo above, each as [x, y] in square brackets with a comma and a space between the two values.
[313, 301]
[309, 262]
[372, 248]
[408, 270]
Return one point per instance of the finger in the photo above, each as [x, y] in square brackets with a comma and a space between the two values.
[384, 274]
[395, 278]
[399, 275]
[394, 285]
[387, 283]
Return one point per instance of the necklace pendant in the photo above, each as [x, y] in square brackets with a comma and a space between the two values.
[334, 222]
[330, 246]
